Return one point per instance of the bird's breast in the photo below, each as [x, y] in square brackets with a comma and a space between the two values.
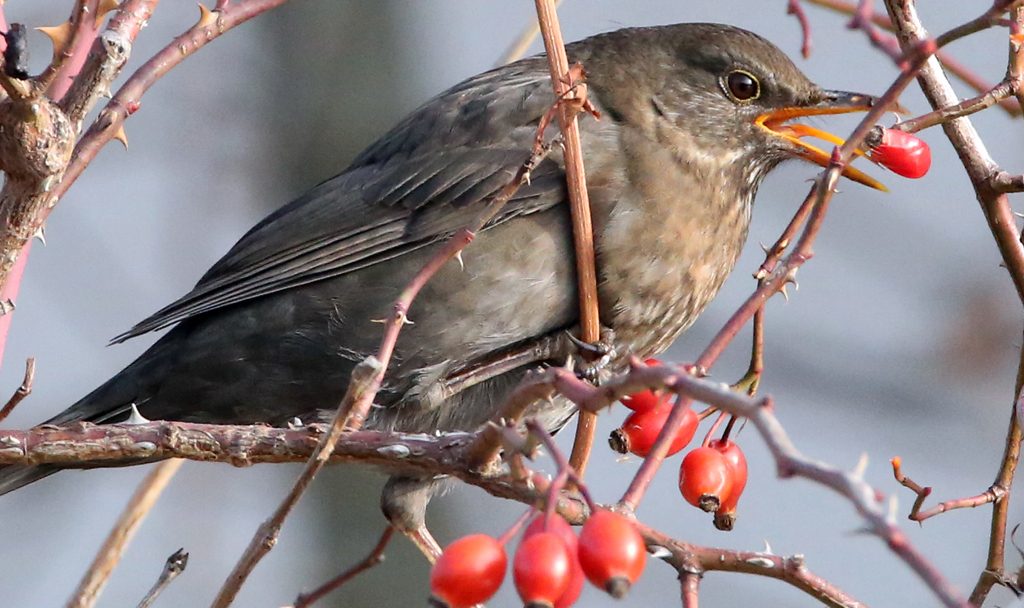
[668, 235]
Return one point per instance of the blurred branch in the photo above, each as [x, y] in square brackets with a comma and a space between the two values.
[109, 555]
[955, 67]
[522, 43]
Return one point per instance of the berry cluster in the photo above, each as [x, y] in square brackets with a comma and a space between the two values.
[712, 477]
[550, 563]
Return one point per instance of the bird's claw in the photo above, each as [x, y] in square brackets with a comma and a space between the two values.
[592, 359]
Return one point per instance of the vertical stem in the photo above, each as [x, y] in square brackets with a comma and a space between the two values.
[579, 203]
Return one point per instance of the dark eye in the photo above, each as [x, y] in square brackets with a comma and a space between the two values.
[742, 86]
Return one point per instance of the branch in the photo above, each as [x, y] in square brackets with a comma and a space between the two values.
[109, 555]
[23, 391]
[375, 557]
[367, 378]
[579, 204]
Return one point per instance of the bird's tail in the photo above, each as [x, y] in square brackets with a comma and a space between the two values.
[111, 402]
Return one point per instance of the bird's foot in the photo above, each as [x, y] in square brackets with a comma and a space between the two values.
[592, 359]
[424, 541]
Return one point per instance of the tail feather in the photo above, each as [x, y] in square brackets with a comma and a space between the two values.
[14, 476]
[109, 403]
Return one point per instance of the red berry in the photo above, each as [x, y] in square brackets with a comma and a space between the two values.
[725, 516]
[705, 478]
[469, 572]
[612, 552]
[640, 430]
[542, 569]
[564, 531]
[902, 153]
[645, 400]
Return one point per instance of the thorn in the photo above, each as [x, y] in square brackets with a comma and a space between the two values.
[767, 547]
[136, 417]
[41, 235]
[526, 176]
[764, 247]
[760, 274]
[206, 17]
[295, 423]
[104, 7]
[861, 466]
[462, 265]
[121, 136]
[58, 35]
[784, 293]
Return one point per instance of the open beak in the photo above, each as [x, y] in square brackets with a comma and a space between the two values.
[776, 122]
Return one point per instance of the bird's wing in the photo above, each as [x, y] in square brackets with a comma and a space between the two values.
[419, 183]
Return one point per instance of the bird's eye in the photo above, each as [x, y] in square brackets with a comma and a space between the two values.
[742, 86]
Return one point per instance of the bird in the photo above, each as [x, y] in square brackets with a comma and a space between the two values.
[693, 117]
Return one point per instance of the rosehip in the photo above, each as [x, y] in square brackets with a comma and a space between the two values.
[705, 478]
[612, 552]
[725, 516]
[469, 572]
[645, 400]
[542, 569]
[564, 531]
[640, 430]
[902, 153]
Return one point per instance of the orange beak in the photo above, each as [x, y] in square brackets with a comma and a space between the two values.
[776, 122]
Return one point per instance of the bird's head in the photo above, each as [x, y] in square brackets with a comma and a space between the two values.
[719, 94]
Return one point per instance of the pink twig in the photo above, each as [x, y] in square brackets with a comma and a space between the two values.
[796, 9]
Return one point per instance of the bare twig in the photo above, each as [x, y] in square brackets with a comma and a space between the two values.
[175, 565]
[955, 67]
[23, 391]
[797, 10]
[579, 203]
[109, 555]
[995, 206]
[375, 557]
[990, 495]
[110, 120]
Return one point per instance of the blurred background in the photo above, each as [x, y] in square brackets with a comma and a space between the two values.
[902, 340]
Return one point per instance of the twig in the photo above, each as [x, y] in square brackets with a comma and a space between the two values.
[174, 566]
[109, 555]
[579, 204]
[992, 494]
[1004, 182]
[984, 101]
[110, 120]
[995, 206]
[375, 557]
[521, 44]
[955, 67]
[23, 391]
[797, 10]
